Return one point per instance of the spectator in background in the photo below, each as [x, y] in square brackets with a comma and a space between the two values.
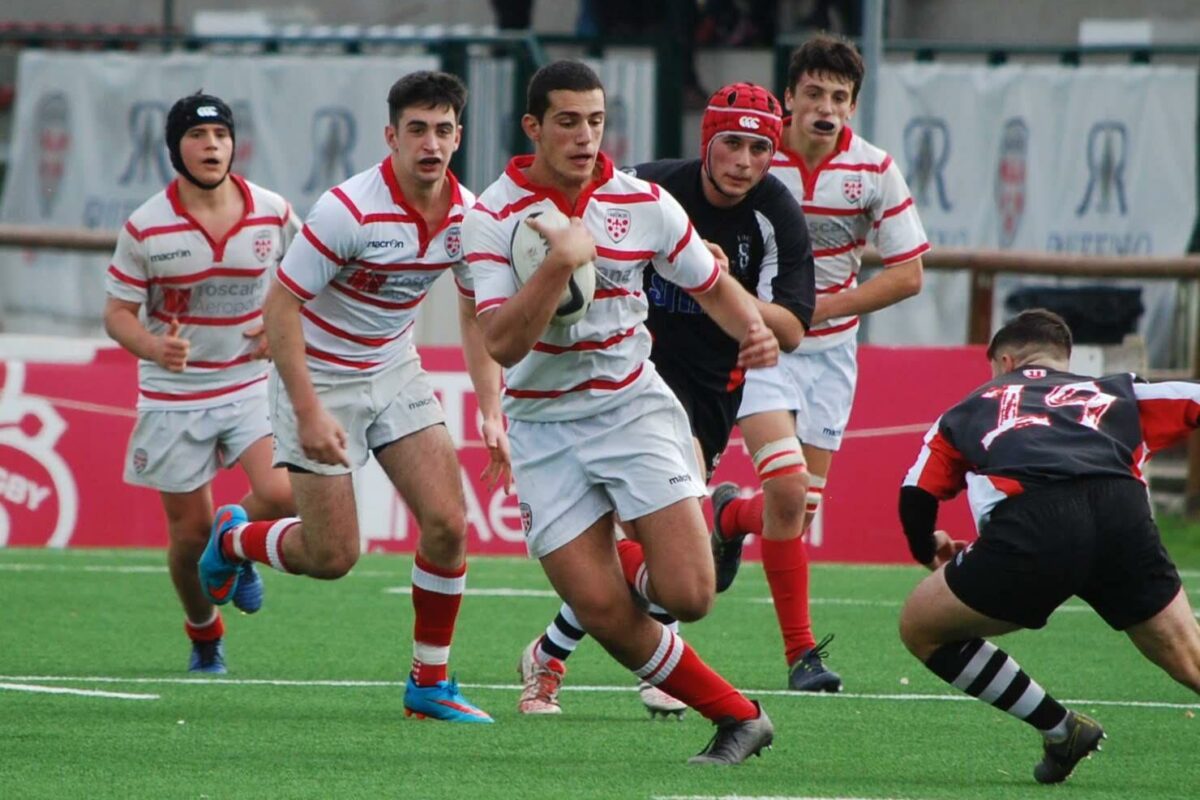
[849, 13]
[513, 15]
[740, 23]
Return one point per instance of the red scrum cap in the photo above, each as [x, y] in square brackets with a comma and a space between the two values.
[742, 108]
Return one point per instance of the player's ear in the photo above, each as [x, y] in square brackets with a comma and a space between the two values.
[532, 127]
[787, 98]
[391, 137]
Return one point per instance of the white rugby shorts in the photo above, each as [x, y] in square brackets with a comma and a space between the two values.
[635, 459]
[375, 410]
[818, 387]
[180, 451]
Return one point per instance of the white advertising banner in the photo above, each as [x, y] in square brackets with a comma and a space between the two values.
[1085, 160]
[88, 148]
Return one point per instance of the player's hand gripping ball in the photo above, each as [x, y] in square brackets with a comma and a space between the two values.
[529, 249]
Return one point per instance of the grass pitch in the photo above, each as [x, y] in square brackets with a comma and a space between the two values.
[95, 702]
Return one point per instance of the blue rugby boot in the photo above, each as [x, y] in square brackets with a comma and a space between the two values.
[208, 657]
[248, 597]
[219, 575]
[442, 701]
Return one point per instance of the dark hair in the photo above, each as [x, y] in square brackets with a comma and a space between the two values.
[573, 76]
[828, 54]
[428, 90]
[1032, 331]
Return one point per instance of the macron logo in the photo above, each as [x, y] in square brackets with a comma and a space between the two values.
[207, 111]
[748, 122]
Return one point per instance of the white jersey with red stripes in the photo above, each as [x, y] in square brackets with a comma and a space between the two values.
[857, 193]
[601, 361]
[362, 263]
[167, 262]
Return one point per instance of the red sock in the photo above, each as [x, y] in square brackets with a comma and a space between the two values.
[259, 541]
[741, 516]
[633, 564]
[436, 595]
[786, 566]
[208, 632]
[677, 670]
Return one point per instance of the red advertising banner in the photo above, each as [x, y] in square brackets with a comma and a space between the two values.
[64, 429]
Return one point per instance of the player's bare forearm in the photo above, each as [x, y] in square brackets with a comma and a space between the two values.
[285, 340]
[483, 369]
[121, 323]
[886, 288]
[512, 329]
[786, 326]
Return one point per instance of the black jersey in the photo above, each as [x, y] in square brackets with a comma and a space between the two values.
[766, 239]
[1036, 426]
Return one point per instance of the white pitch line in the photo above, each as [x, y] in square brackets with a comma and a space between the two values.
[484, 592]
[758, 797]
[510, 687]
[25, 687]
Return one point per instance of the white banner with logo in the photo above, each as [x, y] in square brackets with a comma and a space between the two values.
[88, 148]
[1086, 160]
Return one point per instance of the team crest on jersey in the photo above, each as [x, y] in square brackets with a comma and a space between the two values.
[526, 517]
[176, 301]
[454, 241]
[616, 222]
[264, 245]
[852, 188]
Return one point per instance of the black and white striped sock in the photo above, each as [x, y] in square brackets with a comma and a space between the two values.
[565, 633]
[983, 670]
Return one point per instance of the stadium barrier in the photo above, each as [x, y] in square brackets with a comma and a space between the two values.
[64, 427]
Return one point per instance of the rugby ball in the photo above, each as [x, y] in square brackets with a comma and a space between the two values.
[529, 250]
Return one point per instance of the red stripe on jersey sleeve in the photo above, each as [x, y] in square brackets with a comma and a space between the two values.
[293, 287]
[321, 248]
[1167, 420]
[687, 235]
[892, 261]
[894, 210]
[709, 282]
[488, 305]
[463, 290]
[123, 278]
[943, 474]
[348, 203]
